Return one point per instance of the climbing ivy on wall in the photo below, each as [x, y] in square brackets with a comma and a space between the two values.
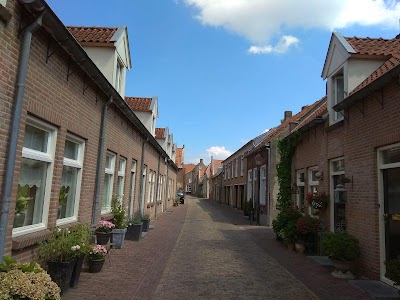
[286, 149]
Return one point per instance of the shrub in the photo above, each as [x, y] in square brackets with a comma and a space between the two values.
[393, 269]
[289, 233]
[283, 218]
[340, 246]
[119, 213]
[136, 219]
[306, 227]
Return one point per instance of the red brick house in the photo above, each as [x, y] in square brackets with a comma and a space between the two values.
[351, 148]
[66, 127]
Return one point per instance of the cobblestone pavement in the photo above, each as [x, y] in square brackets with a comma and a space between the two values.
[215, 259]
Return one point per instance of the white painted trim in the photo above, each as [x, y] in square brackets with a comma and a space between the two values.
[331, 188]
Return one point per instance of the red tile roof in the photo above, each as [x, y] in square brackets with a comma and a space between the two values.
[138, 103]
[160, 133]
[320, 109]
[374, 46]
[188, 168]
[179, 157]
[92, 34]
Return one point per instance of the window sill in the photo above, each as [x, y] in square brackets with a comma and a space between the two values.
[335, 125]
[107, 216]
[30, 239]
[5, 15]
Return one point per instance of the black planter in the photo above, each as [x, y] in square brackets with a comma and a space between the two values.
[146, 224]
[102, 238]
[76, 273]
[134, 232]
[96, 265]
[61, 273]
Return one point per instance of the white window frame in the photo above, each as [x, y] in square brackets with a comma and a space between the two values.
[242, 165]
[249, 185]
[299, 183]
[132, 186]
[79, 165]
[119, 76]
[263, 185]
[332, 187]
[153, 187]
[121, 175]
[47, 157]
[254, 183]
[236, 167]
[148, 201]
[109, 171]
[229, 171]
[312, 183]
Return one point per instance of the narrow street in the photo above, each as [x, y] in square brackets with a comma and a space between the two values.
[205, 250]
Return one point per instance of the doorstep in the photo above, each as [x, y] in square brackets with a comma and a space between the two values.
[322, 260]
[376, 289]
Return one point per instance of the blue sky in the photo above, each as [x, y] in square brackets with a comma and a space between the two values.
[225, 71]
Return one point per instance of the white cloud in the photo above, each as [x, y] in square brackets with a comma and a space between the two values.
[259, 21]
[283, 46]
[218, 152]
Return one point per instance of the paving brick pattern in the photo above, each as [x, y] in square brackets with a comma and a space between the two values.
[215, 259]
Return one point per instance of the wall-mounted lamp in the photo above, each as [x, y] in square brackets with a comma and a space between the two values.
[340, 194]
[294, 189]
[319, 175]
[344, 179]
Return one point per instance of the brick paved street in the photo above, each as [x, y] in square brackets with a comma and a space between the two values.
[205, 250]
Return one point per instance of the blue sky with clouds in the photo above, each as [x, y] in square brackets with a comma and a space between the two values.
[225, 71]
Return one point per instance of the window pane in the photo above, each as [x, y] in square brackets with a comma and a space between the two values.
[35, 138]
[338, 165]
[391, 155]
[120, 187]
[66, 204]
[339, 89]
[107, 189]
[30, 195]
[121, 165]
[301, 177]
[71, 150]
[313, 177]
[108, 161]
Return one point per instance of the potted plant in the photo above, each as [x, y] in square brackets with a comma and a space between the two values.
[59, 253]
[306, 230]
[282, 219]
[317, 200]
[26, 281]
[62, 202]
[96, 258]
[103, 232]
[21, 205]
[289, 234]
[342, 249]
[393, 270]
[119, 220]
[135, 227]
[146, 221]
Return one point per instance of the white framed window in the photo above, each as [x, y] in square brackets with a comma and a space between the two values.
[338, 84]
[120, 76]
[338, 210]
[149, 181]
[132, 186]
[236, 167]
[35, 179]
[300, 196]
[144, 175]
[71, 179]
[242, 165]
[121, 176]
[153, 186]
[108, 182]
[313, 184]
[232, 165]
[263, 185]
[229, 171]
[249, 185]
[254, 184]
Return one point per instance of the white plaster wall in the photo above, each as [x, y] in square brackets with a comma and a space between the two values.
[105, 59]
[145, 118]
[359, 70]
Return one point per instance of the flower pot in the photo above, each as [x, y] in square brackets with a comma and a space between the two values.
[300, 247]
[118, 236]
[146, 224]
[134, 232]
[290, 246]
[19, 219]
[76, 273]
[61, 273]
[95, 265]
[102, 238]
[342, 269]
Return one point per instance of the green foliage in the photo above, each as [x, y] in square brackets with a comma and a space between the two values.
[307, 227]
[10, 263]
[283, 218]
[119, 213]
[63, 195]
[340, 246]
[22, 198]
[146, 216]
[393, 269]
[286, 148]
[289, 233]
[136, 219]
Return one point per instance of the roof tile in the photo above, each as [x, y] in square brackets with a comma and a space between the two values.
[160, 133]
[139, 103]
[92, 34]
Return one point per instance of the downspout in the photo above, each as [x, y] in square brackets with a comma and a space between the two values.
[26, 41]
[141, 176]
[268, 184]
[158, 186]
[99, 167]
[167, 179]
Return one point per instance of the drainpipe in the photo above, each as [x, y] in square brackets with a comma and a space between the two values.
[158, 185]
[167, 179]
[99, 167]
[269, 185]
[142, 183]
[26, 40]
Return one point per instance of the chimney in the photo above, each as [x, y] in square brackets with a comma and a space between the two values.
[304, 107]
[288, 114]
[201, 160]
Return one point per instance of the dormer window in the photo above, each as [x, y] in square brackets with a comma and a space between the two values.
[338, 95]
[119, 86]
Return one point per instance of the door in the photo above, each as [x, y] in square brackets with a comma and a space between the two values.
[391, 198]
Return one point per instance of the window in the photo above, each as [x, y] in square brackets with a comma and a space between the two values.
[132, 186]
[338, 215]
[312, 184]
[119, 78]
[144, 185]
[338, 95]
[263, 185]
[236, 167]
[108, 183]
[153, 186]
[300, 185]
[71, 179]
[229, 171]
[254, 184]
[249, 185]
[121, 176]
[149, 181]
[35, 179]
[242, 166]
[232, 165]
